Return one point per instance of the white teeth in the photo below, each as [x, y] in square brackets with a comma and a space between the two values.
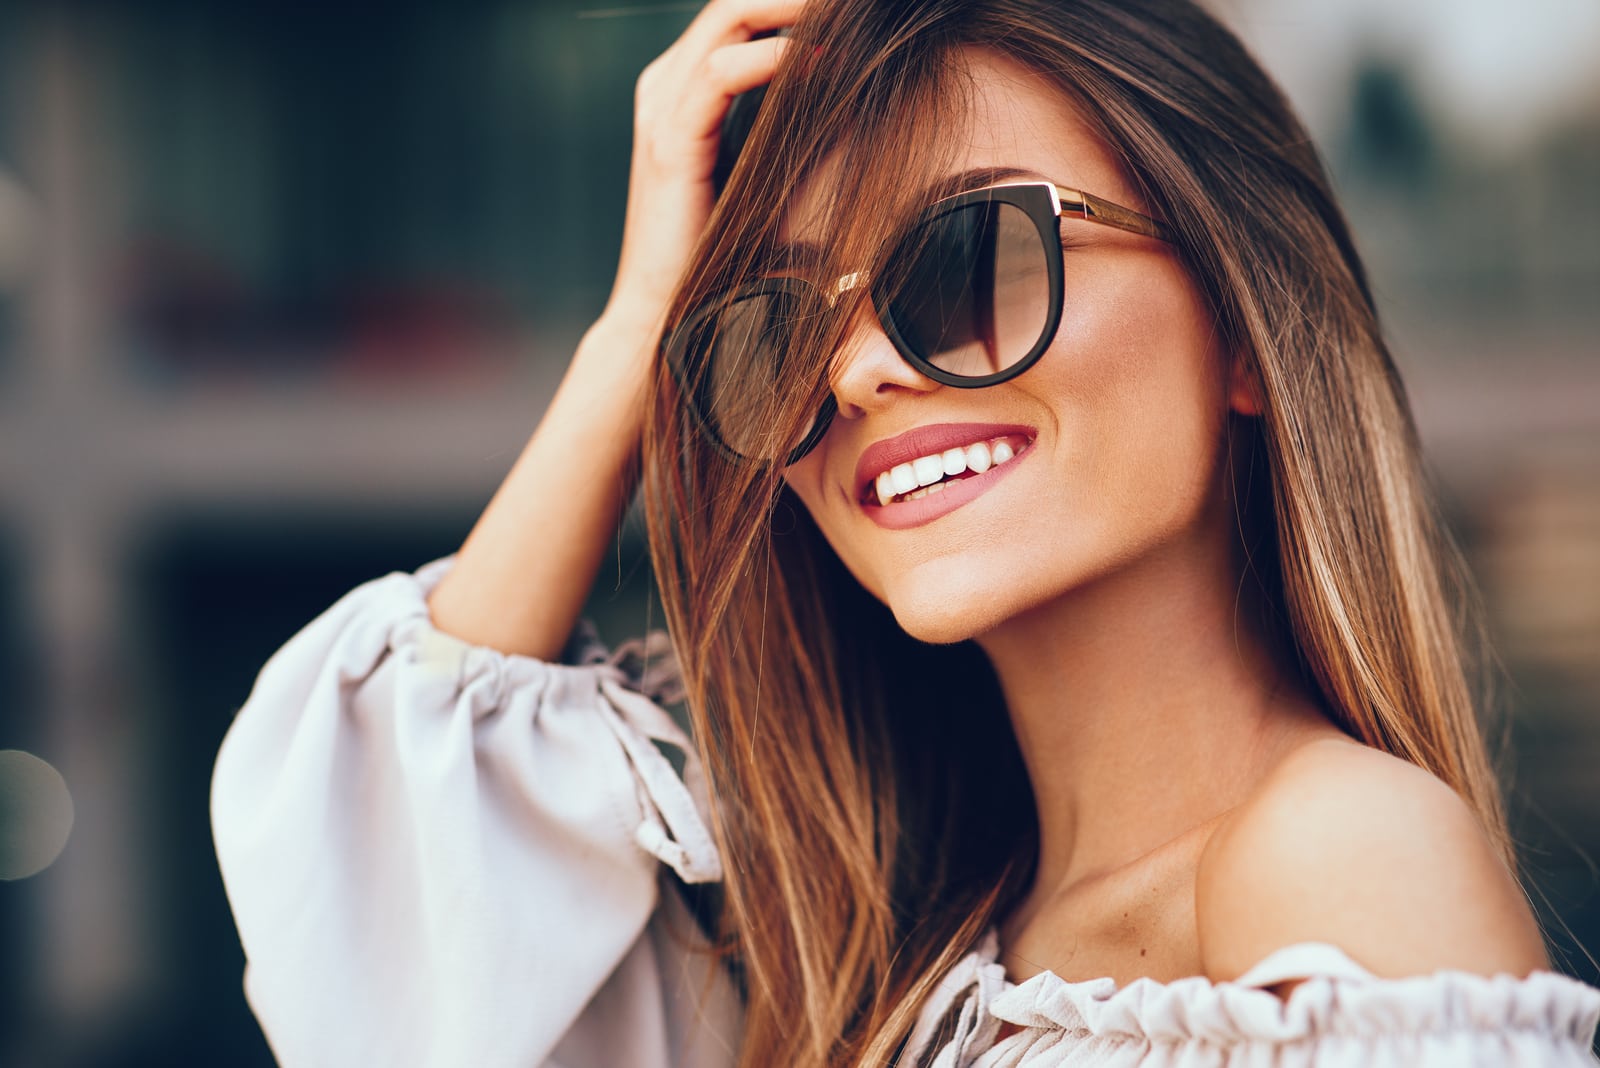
[929, 469]
[978, 458]
[920, 477]
[885, 488]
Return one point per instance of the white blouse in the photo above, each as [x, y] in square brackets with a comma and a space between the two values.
[438, 854]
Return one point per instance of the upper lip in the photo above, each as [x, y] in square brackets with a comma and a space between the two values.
[925, 441]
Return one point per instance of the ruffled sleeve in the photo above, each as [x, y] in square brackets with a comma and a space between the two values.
[1339, 1016]
[438, 854]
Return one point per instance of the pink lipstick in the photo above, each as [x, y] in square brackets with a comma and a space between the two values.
[929, 471]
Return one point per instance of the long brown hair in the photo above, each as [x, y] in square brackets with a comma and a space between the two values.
[872, 807]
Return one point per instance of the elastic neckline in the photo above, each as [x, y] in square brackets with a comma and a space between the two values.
[1299, 960]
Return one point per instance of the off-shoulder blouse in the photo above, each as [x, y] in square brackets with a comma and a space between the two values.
[438, 854]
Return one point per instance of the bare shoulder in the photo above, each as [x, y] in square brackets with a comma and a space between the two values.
[1345, 844]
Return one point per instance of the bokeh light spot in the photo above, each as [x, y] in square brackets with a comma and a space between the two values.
[35, 814]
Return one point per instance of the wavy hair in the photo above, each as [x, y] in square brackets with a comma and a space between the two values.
[872, 806]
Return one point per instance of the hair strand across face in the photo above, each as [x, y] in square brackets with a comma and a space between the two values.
[871, 798]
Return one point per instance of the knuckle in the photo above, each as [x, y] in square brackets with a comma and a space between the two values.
[647, 93]
[647, 77]
[717, 66]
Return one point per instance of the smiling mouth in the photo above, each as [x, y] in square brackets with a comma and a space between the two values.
[930, 474]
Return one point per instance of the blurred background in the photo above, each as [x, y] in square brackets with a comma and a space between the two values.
[283, 291]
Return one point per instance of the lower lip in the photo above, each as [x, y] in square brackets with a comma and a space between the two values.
[905, 514]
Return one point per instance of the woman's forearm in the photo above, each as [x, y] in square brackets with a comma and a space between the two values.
[523, 573]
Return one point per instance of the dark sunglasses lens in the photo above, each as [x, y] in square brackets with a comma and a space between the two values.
[974, 298]
[740, 348]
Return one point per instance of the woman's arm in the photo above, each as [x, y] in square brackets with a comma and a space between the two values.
[522, 575]
[442, 848]
[438, 854]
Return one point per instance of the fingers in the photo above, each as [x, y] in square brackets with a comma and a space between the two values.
[680, 106]
[738, 68]
[723, 22]
[679, 103]
[724, 74]
[715, 60]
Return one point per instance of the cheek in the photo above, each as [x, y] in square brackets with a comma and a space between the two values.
[804, 479]
[827, 510]
[1131, 330]
[1143, 398]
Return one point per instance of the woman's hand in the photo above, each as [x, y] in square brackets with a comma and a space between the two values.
[679, 104]
[522, 575]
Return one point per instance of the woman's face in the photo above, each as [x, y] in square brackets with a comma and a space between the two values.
[1117, 429]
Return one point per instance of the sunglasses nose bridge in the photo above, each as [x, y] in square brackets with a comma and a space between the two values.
[867, 371]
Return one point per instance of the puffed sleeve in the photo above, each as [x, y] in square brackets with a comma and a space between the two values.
[439, 854]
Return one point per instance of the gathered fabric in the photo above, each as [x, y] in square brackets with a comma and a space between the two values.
[439, 854]
[1339, 1015]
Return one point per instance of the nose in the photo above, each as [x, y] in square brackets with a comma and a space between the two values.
[868, 372]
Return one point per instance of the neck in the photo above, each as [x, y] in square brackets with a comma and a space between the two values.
[1145, 704]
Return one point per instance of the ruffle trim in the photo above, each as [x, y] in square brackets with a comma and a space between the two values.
[647, 666]
[1351, 1002]
[626, 687]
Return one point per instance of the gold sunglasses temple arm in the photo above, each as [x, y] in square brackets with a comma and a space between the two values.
[1090, 207]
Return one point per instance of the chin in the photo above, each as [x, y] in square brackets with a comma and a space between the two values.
[944, 615]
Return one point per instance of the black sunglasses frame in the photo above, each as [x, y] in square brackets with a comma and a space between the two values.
[1041, 201]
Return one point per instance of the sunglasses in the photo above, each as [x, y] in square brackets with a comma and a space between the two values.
[975, 299]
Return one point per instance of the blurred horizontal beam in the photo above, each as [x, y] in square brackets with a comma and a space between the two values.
[102, 448]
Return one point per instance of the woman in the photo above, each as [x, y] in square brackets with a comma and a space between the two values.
[1068, 641]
